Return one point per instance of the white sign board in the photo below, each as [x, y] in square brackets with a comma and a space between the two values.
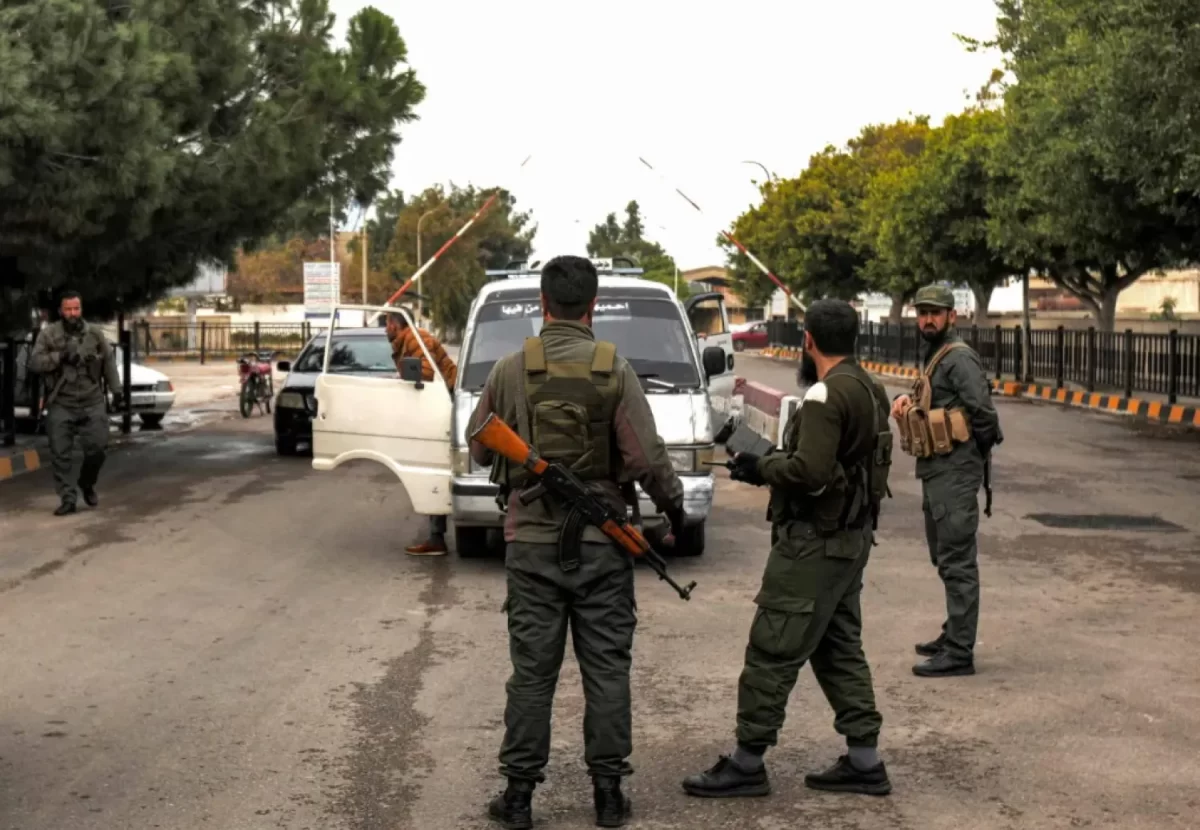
[322, 286]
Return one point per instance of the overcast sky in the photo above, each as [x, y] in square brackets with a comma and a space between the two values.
[584, 89]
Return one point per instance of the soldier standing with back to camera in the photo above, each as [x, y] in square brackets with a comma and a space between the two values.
[826, 485]
[950, 425]
[74, 357]
[575, 401]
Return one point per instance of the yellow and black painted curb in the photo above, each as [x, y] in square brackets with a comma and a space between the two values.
[21, 461]
[1153, 411]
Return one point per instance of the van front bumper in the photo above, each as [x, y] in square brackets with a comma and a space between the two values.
[473, 500]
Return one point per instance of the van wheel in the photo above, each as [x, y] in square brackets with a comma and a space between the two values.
[474, 542]
[690, 542]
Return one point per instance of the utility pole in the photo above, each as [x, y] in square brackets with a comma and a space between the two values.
[364, 261]
[1026, 337]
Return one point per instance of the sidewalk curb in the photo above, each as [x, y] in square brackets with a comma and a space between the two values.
[1149, 411]
[22, 461]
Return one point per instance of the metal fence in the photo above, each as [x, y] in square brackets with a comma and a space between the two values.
[1160, 364]
[216, 341]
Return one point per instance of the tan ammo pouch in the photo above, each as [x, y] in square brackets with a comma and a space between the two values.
[947, 428]
[926, 432]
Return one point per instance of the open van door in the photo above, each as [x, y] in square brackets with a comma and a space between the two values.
[710, 323]
[398, 421]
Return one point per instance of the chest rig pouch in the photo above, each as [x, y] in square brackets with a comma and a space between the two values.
[565, 411]
[924, 431]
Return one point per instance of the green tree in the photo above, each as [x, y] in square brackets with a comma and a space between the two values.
[610, 239]
[500, 236]
[811, 229]
[1100, 141]
[138, 139]
[929, 220]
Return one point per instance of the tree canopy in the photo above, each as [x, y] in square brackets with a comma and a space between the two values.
[611, 238]
[811, 229]
[139, 139]
[1080, 161]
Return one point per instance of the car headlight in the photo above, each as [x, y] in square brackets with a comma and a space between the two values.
[164, 386]
[291, 400]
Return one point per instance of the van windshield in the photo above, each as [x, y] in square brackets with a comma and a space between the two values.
[650, 334]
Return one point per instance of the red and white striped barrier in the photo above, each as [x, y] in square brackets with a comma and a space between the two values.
[764, 409]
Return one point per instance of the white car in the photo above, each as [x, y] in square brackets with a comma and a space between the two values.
[151, 392]
[418, 430]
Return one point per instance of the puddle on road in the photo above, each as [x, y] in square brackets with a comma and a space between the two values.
[1103, 521]
[231, 448]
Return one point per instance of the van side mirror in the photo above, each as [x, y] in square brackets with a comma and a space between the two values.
[284, 366]
[410, 370]
[714, 361]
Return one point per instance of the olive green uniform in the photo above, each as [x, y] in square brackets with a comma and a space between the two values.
[950, 487]
[809, 602]
[75, 363]
[595, 597]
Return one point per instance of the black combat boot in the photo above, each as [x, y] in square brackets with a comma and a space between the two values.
[89, 496]
[931, 648]
[65, 508]
[943, 664]
[513, 808]
[844, 777]
[613, 808]
[727, 780]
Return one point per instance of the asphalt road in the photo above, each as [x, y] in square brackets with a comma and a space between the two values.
[233, 640]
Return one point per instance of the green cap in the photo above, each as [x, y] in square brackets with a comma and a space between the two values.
[935, 295]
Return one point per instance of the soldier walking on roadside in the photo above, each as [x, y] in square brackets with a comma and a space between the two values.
[950, 425]
[575, 401]
[826, 485]
[75, 358]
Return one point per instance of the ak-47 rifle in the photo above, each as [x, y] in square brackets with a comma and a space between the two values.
[554, 478]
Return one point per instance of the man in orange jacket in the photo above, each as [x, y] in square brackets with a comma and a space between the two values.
[404, 342]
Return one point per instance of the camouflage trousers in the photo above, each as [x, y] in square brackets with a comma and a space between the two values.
[809, 612]
[597, 602]
[63, 426]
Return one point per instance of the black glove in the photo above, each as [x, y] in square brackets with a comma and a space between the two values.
[745, 468]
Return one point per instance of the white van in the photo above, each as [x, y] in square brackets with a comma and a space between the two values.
[419, 431]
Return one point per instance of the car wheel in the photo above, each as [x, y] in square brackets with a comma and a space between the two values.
[739, 345]
[285, 445]
[151, 419]
[473, 542]
[690, 542]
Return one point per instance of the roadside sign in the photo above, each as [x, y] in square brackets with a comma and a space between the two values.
[322, 287]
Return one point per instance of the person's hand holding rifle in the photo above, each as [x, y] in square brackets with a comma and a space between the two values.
[554, 478]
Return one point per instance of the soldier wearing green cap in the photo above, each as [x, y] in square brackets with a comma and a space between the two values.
[950, 425]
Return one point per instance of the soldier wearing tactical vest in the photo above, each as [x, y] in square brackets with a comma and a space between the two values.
[574, 400]
[74, 357]
[826, 485]
[950, 425]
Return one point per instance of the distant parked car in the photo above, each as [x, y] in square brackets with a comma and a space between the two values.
[358, 351]
[750, 336]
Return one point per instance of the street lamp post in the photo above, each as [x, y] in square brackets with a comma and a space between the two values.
[419, 221]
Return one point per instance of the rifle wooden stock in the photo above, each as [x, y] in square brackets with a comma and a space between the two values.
[498, 437]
